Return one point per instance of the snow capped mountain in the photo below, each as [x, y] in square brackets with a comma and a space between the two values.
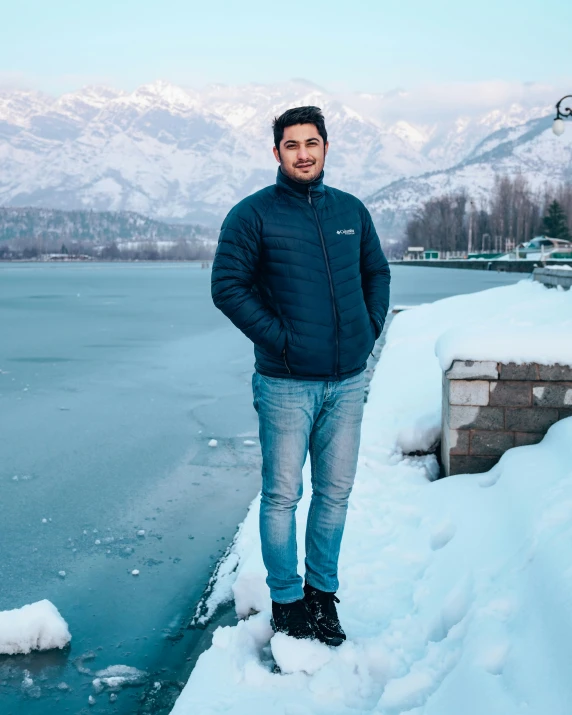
[530, 149]
[188, 155]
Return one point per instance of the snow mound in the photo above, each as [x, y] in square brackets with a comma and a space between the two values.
[37, 626]
[533, 325]
[293, 656]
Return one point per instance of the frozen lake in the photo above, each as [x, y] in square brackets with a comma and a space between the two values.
[113, 377]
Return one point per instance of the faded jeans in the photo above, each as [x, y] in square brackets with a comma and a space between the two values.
[297, 416]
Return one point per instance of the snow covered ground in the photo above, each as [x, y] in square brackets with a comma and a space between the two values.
[456, 594]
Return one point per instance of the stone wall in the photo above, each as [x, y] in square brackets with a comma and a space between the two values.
[489, 407]
[553, 277]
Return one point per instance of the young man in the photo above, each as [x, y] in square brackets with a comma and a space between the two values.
[300, 270]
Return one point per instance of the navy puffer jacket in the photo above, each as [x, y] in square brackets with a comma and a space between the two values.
[300, 270]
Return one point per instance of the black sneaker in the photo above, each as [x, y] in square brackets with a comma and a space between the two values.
[322, 606]
[293, 619]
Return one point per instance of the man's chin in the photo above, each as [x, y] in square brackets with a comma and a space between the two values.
[304, 177]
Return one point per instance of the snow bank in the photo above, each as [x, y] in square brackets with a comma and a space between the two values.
[454, 594]
[533, 325]
[37, 626]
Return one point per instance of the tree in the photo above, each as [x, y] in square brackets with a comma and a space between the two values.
[64, 249]
[556, 222]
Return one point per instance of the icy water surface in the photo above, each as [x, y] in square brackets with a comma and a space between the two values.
[113, 378]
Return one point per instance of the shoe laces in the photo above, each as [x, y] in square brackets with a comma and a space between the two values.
[327, 601]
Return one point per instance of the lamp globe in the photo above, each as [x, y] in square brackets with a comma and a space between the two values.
[558, 127]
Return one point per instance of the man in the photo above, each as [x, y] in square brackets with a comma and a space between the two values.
[300, 270]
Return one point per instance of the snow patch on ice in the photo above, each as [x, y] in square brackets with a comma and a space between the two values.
[116, 677]
[37, 626]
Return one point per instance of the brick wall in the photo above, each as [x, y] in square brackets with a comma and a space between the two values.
[489, 407]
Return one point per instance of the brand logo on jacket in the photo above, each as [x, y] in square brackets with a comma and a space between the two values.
[346, 231]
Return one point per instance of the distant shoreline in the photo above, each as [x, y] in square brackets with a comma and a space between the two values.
[104, 260]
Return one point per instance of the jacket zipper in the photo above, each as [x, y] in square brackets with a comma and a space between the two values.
[286, 361]
[335, 312]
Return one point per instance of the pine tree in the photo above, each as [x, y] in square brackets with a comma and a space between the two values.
[556, 222]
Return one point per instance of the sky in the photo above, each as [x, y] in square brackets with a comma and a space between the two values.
[367, 46]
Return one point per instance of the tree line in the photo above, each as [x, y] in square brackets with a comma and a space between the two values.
[30, 233]
[512, 214]
[146, 251]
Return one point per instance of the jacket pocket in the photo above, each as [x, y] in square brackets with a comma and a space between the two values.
[377, 327]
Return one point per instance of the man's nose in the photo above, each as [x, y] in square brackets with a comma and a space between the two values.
[303, 154]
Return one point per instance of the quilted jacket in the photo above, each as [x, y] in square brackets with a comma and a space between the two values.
[300, 270]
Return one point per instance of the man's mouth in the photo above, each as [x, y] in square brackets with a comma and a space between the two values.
[305, 166]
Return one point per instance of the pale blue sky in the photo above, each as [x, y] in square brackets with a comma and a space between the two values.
[60, 45]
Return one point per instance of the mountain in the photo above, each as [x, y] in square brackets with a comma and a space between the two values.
[185, 155]
[530, 149]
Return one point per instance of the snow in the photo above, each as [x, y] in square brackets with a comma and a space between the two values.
[533, 325]
[116, 677]
[173, 152]
[454, 593]
[36, 626]
[213, 443]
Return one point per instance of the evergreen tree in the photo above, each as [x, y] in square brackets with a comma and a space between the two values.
[556, 222]
[64, 249]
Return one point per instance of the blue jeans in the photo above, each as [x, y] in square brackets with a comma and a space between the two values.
[297, 416]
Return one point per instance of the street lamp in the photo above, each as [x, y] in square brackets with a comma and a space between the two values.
[561, 114]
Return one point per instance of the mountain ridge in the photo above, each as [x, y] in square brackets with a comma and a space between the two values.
[186, 155]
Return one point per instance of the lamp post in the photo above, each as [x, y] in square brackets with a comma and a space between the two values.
[470, 241]
[561, 114]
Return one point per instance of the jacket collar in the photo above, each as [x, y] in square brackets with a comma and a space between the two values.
[316, 186]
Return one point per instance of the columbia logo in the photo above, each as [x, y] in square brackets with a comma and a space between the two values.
[346, 231]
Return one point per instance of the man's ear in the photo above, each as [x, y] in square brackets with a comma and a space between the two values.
[276, 154]
[326, 147]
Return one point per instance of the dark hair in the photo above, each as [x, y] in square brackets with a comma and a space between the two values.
[299, 115]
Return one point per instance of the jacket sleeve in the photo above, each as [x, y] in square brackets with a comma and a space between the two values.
[375, 275]
[233, 280]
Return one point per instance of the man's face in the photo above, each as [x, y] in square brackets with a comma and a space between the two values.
[302, 152]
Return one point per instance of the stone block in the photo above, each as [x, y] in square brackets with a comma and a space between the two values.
[473, 370]
[523, 438]
[555, 372]
[565, 413]
[552, 394]
[530, 419]
[471, 465]
[469, 392]
[469, 417]
[458, 441]
[492, 443]
[512, 371]
[511, 393]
